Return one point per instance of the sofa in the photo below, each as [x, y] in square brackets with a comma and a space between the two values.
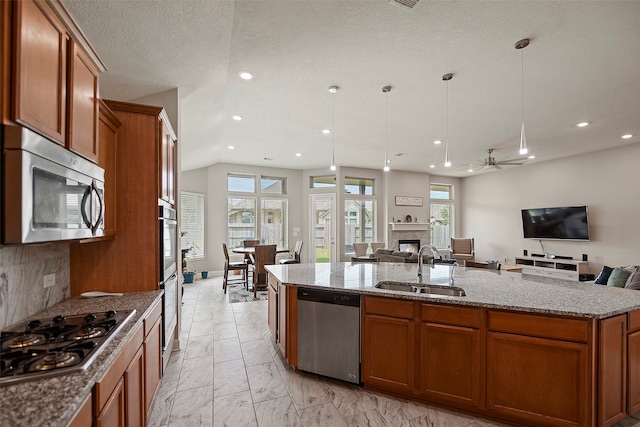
[621, 277]
[390, 255]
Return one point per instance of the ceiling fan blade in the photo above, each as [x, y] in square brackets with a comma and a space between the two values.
[509, 163]
[497, 166]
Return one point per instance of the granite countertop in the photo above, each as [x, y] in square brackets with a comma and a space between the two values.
[54, 401]
[484, 288]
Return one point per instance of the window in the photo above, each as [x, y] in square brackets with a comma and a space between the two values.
[241, 214]
[273, 228]
[323, 181]
[441, 215]
[359, 222]
[273, 185]
[358, 186]
[192, 222]
[241, 183]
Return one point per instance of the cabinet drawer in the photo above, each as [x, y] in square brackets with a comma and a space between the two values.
[540, 326]
[633, 321]
[389, 307]
[105, 386]
[152, 318]
[451, 315]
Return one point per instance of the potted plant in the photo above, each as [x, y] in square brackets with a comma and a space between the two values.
[190, 270]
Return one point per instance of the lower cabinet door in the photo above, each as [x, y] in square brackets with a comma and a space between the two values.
[450, 363]
[388, 353]
[152, 364]
[633, 372]
[134, 391]
[273, 311]
[113, 412]
[538, 380]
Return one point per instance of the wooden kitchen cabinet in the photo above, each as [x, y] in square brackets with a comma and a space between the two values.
[83, 103]
[388, 359]
[152, 355]
[450, 362]
[113, 412]
[134, 384]
[53, 86]
[166, 189]
[40, 46]
[108, 126]
[633, 368]
[281, 336]
[84, 416]
[272, 307]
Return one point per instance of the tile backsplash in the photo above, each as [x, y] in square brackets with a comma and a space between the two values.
[22, 271]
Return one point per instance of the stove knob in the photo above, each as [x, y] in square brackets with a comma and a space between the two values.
[89, 318]
[109, 314]
[59, 319]
[34, 324]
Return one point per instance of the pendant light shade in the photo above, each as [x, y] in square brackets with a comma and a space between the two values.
[333, 90]
[386, 90]
[447, 162]
[520, 45]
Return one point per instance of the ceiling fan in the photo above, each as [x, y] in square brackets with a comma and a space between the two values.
[490, 161]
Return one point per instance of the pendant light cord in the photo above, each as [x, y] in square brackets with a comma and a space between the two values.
[386, 128]
[522, 82]
[333, 129]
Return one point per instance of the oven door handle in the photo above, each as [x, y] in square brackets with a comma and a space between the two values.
[83, 206]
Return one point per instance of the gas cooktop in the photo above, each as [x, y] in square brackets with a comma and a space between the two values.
[46, 347]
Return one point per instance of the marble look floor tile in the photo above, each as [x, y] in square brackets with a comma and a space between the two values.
[250, 331]
[628, 422]
[370, 418]
[306, 390]
[350, 400]
[172, 371]
[265, 382]
[227, 349]
[203, 315]
[223, 316]
[193, 407]
[196, 373]
[393, 410]
[199, 346]
[248, 317]
[322, 415]
[278, 412]
[201, 327]
[234, 410]
[255, 353]
[163, 403]
[225, 330]
[417, 413]
[250, 306]
[229, 378]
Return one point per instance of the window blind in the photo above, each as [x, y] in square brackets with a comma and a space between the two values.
[192, 222]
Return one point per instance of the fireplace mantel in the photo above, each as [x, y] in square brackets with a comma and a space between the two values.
[409, 226]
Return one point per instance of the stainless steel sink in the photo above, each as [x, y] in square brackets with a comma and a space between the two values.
[451, 291]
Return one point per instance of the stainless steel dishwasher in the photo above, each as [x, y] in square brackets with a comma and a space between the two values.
[329, 333]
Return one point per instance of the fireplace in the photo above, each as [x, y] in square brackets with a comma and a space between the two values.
[409, 245]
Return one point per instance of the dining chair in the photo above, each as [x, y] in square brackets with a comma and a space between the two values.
[376, 245]
[250, 243]
[486, 265]
[462, 249]
[297, 251]
[264, 255]
[241, 266]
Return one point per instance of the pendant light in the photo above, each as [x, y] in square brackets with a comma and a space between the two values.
[447, 163]
[333, 90]
[386, 90]
[523, 139]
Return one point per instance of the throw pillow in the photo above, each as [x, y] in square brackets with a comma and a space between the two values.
[604, 275]
[633, 282]
[618, 277]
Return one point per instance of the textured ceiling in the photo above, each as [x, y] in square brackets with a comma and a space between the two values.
[582, 65]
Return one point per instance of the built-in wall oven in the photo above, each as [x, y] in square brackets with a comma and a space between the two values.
[168, 272]
[49, 193]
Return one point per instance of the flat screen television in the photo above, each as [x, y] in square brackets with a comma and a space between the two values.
[565, 223]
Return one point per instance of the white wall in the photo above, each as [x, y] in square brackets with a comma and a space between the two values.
[606, 181]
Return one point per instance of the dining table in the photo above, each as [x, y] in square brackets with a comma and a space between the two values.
[260, 278]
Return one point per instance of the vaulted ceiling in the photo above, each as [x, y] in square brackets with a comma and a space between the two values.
[582, 65]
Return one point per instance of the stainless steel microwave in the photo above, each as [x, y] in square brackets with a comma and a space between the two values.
[49, 193]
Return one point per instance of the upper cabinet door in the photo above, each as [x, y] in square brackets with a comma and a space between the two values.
[167, 162]
[83, 104]
[40, 74]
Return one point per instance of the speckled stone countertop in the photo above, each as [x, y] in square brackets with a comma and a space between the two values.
[484, 288]
[54, 401]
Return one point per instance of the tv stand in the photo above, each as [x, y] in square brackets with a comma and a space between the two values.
[556, 268]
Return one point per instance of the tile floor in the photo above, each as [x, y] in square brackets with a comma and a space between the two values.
[230, 374]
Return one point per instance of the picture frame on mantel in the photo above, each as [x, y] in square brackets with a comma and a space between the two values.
[408, 201]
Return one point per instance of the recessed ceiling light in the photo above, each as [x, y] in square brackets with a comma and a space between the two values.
[582, 124]
[531, 157]
[326, 131]
[627, 136]
[236, 117]
[230, 147]
[437, 141]
[432, 166]
[298, 154]
[245, 75]
[470, 170]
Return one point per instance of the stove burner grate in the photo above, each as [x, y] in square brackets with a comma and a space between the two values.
[86, 332]
[27, 339]
[56, 359]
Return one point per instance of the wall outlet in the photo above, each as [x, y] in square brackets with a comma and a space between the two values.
[49, 280]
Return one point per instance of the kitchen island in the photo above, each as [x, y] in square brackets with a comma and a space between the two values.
[523, 349]
[85, 398]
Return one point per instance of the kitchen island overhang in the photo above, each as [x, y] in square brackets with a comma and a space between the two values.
[585, 338]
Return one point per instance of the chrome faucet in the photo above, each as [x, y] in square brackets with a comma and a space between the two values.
[453, 269]
[430, 247]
